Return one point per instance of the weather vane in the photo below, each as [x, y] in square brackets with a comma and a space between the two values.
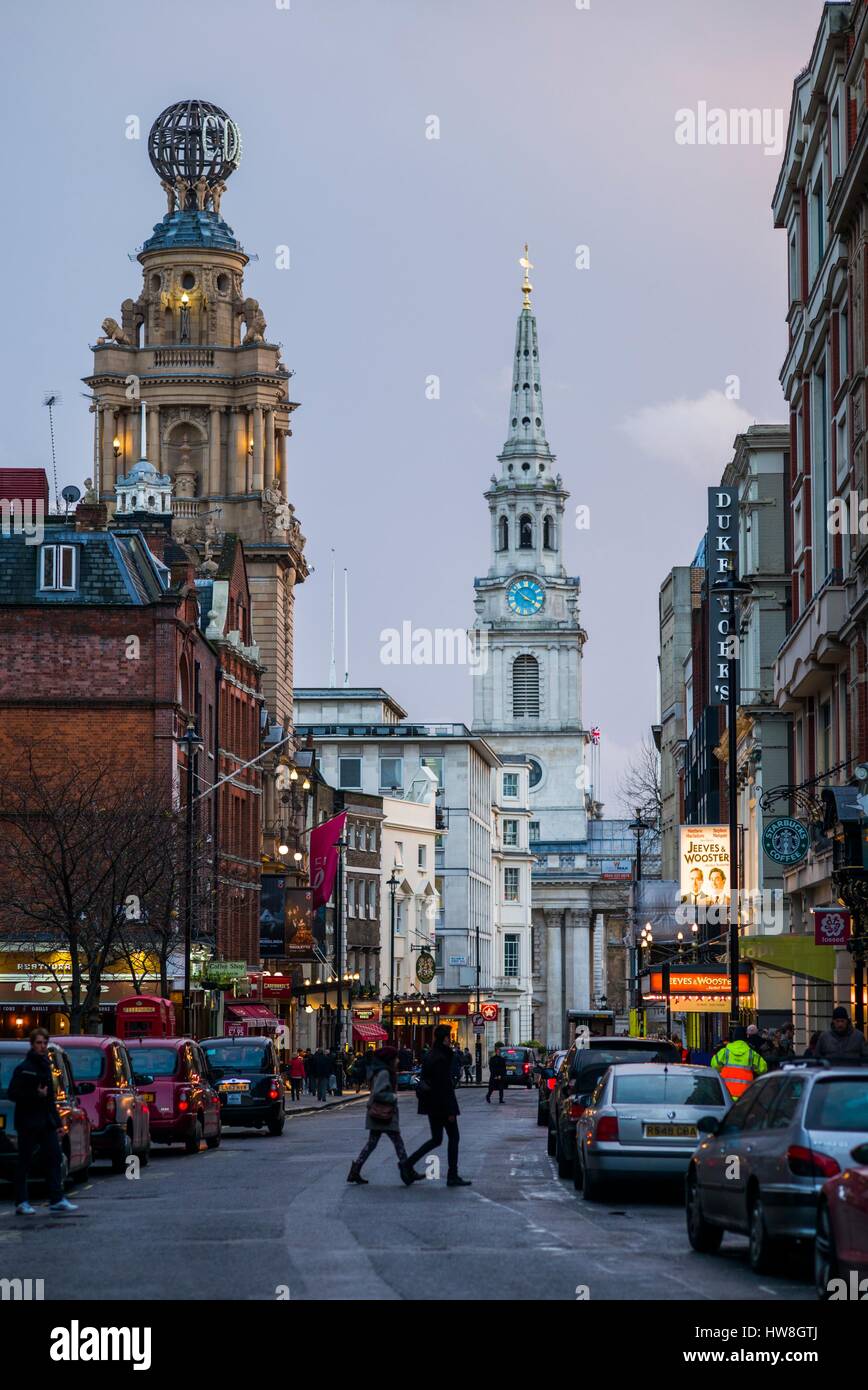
[526, 285]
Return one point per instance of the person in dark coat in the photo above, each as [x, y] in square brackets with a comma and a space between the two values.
[438, 1101]
[322, 1070]
[381, 1115]
[31, 1087]
[457, 1063]
[842, 1042]
[310, 1083]
[496, 1074]
[467, 1064]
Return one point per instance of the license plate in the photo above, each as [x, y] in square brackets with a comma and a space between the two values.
[148, 1095]
[671, 1131]
[234, 1086]
[234, 1099]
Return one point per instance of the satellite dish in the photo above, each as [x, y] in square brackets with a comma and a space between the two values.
[70, 494]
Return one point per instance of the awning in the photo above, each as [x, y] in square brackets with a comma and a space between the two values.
[259, 1014]
[792, 954]
[369, 1032]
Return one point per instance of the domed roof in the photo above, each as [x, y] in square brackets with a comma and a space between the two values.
[192, 227]
[144, 472]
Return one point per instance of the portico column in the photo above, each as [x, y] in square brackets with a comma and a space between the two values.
[238, 442]
[154, 441]
[107, 457]
[269, 447]
[284, 480]
[555, 1025]
[579, 935]
[258, 460]
[215, 481]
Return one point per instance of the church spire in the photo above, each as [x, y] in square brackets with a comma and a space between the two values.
[526, 438]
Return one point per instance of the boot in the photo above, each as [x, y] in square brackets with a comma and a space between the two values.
[355, 1175]
[458, 1182]
[409, 1175]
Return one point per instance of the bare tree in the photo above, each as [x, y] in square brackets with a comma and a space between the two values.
[86, 857]
[639, 785]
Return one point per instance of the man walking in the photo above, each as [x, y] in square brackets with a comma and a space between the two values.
[842, 1042]
[438, 1101]
[496, 1073]
[322, 1068]
[468, 1067]
[737, 1062]
[310, 1082]
[31, 1086]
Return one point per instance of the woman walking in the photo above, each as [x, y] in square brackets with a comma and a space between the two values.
[296, 1074]
[382, 1114]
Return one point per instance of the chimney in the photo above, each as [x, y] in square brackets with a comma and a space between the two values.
[91, 516]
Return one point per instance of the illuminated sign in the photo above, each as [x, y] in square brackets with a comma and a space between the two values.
[704, 862]
[698, 982]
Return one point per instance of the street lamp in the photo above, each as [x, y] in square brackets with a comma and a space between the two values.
[192, 743]
[393, 885]
[732, 587]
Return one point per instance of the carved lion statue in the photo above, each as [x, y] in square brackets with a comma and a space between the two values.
[113, 331]
[255, 320]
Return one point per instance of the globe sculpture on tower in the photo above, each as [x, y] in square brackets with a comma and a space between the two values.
[194, 146]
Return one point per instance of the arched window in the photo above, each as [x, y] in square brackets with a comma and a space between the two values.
[503, 534]
[525, 533]
[549, 533]
[525, 688]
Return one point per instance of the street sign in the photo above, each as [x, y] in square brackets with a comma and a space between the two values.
[489, 1013]
[785, 840]
[832, 926]
[479, 1028]
[478, 1020]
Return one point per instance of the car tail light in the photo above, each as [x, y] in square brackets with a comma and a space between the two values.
[577, 1109]
[807, 1163]
[607, 1129]
[527, 1066]
[551, 1083]
[184, 1101]
[274, 1093]
[110, 1108]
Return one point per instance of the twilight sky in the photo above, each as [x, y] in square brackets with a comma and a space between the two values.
[557, 126]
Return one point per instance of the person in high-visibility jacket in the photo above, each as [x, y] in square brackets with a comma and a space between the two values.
[737, 1063]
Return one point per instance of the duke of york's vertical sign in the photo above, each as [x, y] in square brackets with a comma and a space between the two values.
[721, 558]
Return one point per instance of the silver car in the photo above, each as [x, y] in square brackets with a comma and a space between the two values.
[761, 1173]
[644, 1121]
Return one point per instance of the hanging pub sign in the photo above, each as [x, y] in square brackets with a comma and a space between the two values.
[425, 967]
[785, 840]
[721, 556]
[833, 926]
[704, 861]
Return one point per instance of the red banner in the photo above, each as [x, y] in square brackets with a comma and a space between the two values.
[324, 857]
[832, 926]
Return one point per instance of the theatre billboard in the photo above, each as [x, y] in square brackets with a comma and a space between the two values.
[704, 861]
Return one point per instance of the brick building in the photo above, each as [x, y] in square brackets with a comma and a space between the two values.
[111, 642]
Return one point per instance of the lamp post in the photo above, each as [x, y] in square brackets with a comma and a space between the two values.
[393, 884]
[637, 826]
[733, 588]
[192, 742]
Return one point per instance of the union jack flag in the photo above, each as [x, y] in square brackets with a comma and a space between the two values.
[595, 734]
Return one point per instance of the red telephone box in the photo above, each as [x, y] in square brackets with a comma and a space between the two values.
[145, 1016]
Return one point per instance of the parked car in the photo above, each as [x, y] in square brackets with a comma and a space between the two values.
[841, 1243]
[761, 1172]
[644, 1121]
[171, 1075]
[246, 1076]
[520, 1063]
[74, 1131]
[118, 1115]
[546, 1074]
[577, 1076]
[408, 1079]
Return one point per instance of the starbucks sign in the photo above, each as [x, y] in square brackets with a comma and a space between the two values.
[785, 840]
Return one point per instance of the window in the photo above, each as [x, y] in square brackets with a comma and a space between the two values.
[372, 898]
[835, 141]
[510, 784]
[789, 1098]
[534, 832]
[844, 344]
[824, 737]
[399, 854]
[510, 955]
[795, 276]
[820, 477]
[422, 856]
[819, 224]
[525, 688]
[391, 774]
[510, 885]
[350, 772]
[58, 567]
[840, 1104]
[510, 833]
[503, 534]
[435, 762]
[549, 533]
[525, 533]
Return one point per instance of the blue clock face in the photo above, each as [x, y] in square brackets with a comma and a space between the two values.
[525, 596]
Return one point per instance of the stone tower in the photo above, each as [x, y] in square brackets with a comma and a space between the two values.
[528, 691]
[193, 347]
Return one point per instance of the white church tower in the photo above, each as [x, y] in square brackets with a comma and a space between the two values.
[528, 688]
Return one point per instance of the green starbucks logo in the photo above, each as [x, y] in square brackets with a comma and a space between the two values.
[785, 840]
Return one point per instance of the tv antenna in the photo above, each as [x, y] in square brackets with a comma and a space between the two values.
[51, 399]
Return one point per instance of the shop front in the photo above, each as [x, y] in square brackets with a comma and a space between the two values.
[367, 1027]
[33, 996]
[415, 1024]
[692, 1003]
